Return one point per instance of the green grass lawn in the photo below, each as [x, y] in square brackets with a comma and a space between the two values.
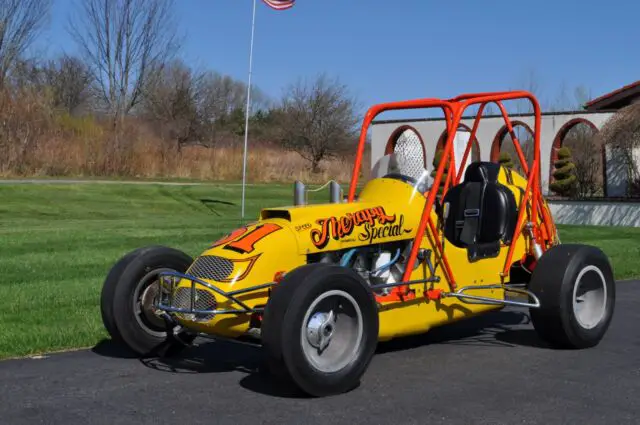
[58, 241]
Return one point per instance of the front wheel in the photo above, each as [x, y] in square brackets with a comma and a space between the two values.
[127, 302]
[577, 295]
[320, 329]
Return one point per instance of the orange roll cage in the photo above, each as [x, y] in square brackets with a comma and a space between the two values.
[453, 110]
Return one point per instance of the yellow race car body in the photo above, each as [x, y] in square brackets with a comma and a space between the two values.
[387, 211]
[320, 285]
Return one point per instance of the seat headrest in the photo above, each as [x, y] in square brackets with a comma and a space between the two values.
[482, 172]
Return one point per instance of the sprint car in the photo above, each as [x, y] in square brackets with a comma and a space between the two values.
[317, 286]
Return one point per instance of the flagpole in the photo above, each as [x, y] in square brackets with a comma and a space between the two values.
[246, 123]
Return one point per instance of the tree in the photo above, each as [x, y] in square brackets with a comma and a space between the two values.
[525, 139]
[505, 160]
[203, 108]
[566, 101]
[20, 23]
[223, 105]
[528, 81]
[621, 134]
[565, 183]
[587, 159]
[69, 80]
[171, 102]
[125, 44]
[317, 120]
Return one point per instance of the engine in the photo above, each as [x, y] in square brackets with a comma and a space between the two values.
[377, 265]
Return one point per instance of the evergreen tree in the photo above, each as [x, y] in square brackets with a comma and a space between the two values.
[565, 183]
[505, 160]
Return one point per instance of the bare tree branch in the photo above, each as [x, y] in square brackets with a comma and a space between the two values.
[125, 44]
[317, 120]
[621, 133]
[20, 23]
[588, 159]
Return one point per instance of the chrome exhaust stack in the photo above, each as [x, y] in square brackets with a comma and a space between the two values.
[299, 192]
[335, 192]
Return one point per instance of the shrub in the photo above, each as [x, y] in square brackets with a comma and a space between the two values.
[505, 160]
[566, 182]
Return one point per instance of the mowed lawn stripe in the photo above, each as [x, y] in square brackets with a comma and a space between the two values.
[58, 242]
[621, 244]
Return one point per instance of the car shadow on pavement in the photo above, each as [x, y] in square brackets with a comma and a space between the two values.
[208, 356]
[501, 329]
[109, 348]
[225, 356]
[506, 328]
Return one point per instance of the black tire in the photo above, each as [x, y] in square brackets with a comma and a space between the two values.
[117, 302]
[282, 328]
[554, 280]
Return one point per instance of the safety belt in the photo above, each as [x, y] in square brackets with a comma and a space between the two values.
[471, 213]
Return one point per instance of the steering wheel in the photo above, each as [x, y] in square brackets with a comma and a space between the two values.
[401, 177]
[419, 186]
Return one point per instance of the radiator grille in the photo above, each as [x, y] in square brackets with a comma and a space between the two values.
[204, 300]
[211, 267]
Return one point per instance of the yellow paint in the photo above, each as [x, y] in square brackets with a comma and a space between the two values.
[387, 201]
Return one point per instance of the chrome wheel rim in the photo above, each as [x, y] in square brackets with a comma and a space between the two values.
[590, 297]
[144, 304]
[332, 331]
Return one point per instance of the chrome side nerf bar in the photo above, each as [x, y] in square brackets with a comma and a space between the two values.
[462, 295]
[168, 281]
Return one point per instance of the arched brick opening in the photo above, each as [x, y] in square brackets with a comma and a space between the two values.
[475, 149]
[560, 138]
[393, 139]
[500, 135]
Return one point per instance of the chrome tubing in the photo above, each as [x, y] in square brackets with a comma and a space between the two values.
[195, 282]
[476, 299]
[403, 283]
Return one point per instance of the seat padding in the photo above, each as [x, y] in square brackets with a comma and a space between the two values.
[482, 213]
[482, 172]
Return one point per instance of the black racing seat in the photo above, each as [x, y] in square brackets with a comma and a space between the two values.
[481, 212]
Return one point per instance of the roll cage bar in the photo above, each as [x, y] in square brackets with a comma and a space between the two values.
[541, 234]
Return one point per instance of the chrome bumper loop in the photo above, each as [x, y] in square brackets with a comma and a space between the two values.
[166, 302]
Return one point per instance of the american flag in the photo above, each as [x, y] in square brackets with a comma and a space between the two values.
[280, 4]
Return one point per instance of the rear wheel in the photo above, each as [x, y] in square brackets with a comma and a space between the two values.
[320, 329]
[577, 295]
[127, 307]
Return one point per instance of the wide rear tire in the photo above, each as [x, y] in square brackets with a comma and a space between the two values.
[577, 295]
[320, 329]
[125, 302]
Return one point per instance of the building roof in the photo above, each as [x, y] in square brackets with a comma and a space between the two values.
[616, 99]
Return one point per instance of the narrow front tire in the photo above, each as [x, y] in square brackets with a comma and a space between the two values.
[127, 297]
[320, 329]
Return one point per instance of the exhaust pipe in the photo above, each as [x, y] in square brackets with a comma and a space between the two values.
[335, 192]
[298, 193]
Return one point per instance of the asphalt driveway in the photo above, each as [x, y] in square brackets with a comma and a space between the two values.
[491, 370]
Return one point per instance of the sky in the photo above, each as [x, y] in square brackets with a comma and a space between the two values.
[394, 50]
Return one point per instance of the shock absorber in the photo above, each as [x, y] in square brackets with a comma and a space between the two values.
[535, 246]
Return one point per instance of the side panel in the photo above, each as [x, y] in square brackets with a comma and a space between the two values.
[420, 314]
[387, 210]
